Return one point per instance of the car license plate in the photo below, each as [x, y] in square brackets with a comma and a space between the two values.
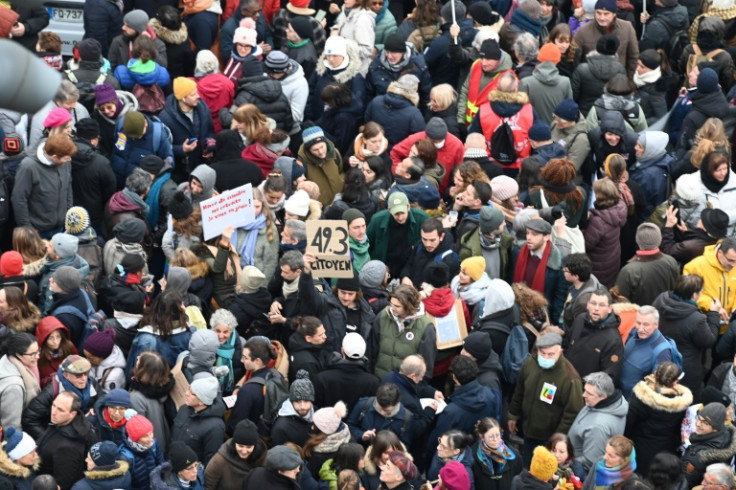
[66, 15]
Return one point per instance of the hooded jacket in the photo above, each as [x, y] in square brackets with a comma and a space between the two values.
[703, 106]
[267, 95]
[45, 296]
[628, 50]
[304, 355]
[663, 25]
[93, 181]
[218, 92]
[108, 135]
[106, 477]
[63, 449]
[296, 88]
[381, 74]
[341, 124]
[590, 77]
[612, 122]
[136, 72]
[151, 401]
[323, 75]
[226, 469]
[602, 243]
[12, 390]
[248, 307]
[206, 176]
[203, 432]
[717, 282]
[46, 373]
[469, 403]
[128, 153]
[595, 346]
[717, 447]
[18, 476]
[183, 128]
[652, 168]
[546, 89]
[593, 426]
[179, 54]
[396, 114]
[141, 463]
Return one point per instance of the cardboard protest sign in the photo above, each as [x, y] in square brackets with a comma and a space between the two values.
[451, 329]
[233, 207]
[329, 241]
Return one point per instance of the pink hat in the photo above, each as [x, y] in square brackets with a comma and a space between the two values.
[56, 118]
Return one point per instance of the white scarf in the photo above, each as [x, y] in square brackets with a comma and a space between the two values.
[648, 77]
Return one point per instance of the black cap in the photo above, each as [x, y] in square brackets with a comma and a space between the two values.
[348, 283]
[490, 50]
[88, 129]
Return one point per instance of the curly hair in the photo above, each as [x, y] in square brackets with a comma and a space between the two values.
[711, 135]
[563, 31]
[529, 301]
[191, 226]
[561, 172]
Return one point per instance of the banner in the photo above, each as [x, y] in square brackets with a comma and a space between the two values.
[328, 240]
[233, 207]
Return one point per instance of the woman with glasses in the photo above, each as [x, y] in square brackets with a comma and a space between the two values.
[453, 445]
[19, 379]
[182, 470]
[495, 464]
[54, 347]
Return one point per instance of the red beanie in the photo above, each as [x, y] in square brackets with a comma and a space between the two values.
[11, 264]
[138, 426]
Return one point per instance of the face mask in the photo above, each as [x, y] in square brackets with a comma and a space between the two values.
[440, 144]
[545, 363]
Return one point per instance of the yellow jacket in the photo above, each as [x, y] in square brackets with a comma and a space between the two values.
[718, 283]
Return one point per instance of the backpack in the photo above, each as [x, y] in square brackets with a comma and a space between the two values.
[4, 196]
[151, 99]
[503, 147]
[698, 57]
[86, 89]
[369, 403]
[94, 321]
[275, 392]
[675, 44]
[515, 352]
[672, 346]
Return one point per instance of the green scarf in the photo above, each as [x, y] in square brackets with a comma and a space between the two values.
[225, 355]
[359, 253]
[299, 44]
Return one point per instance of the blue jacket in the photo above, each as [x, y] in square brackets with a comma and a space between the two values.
[103, 20]
[398, 116]
[441, 67]
[98, 479]
[465, 457]
[652, 178]
[400, 423]
[420, 191]
[182, 128]
[127, 153]
[341, 125]
[638, 359]
[148, 338]
[141, 463]
[380, 75]
[128, 78]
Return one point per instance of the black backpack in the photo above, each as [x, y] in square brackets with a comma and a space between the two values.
[503, 148]
[675, 43]
[86, 89]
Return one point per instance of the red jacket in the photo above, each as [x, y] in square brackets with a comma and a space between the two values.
[261, 156]
[217, 91]
[449, 155]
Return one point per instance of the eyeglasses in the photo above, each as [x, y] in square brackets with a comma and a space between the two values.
[32, 354]
[492, 437]
[82, 375]
[702, 420]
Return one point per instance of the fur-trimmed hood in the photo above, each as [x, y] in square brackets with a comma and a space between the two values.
[715, 455]
[676, 399]
[350, 71]
[370, 468]
[118, 469]
[508, 97]
[33, 269]
[10, 468]
[167, 35]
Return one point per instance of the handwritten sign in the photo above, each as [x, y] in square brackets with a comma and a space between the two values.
[329, 241]
[231, 208]
[451, 329]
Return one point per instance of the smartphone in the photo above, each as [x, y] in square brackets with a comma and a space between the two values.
[191, 140]
[320, 15]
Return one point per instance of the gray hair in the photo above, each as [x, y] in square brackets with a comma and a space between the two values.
[293, 259]
[721, 472]
[298, 229]
[223, 317]
[521, 219]
[526, 47]
[66, 92]
[413, 364]
[139, 181]
[650, 310]
[602, 383]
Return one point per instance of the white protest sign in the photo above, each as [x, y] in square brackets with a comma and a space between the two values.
[231, 208]
[329, 242]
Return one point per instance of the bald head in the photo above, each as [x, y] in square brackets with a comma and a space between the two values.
[413, 365]
[507, 82]
[475, 140]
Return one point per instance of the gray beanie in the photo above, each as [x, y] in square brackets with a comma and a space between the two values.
[372, 274]
[67, 278]
[136, 19]
[301, 388]
[65, 245]
[648, 236]
[714, 415]
[282, 458]
[490, 219]
[178, 279]
[203, 347]
[436, 129]
[206, 389]
[446, 11]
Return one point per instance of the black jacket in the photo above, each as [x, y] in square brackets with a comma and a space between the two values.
[248, 307]
[346, 380]
[264, 93]
[74, 323]
[203, 432]
[262, 478]
[527, 481]
[718, 447]
[232, 170]
[411, 394]
[486, 478]
[93, 181]
[420, 258]
[182, 128]
[114, 294]
[595, 346]
[103, 20]
[64, 449]
[303, 355]
[703, 107]
[341, 125]
[35, 19]
[290, 428]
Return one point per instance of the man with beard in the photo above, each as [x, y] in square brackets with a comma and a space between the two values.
[295, 415]
[359, 243]
[135, 23]
[191, 126]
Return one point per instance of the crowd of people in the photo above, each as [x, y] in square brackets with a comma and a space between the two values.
[551, 178]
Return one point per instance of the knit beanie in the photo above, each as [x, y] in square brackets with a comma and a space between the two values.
[181, 456]
[134, 124]
[298, 204]
[394, 44]
[246, 33]
[152, 163]
[180, 206]
[101, 344]
[179, 279]
[544, 464]
[455, 476]
[711, 394]
[540, 131]
[482, 13]
[183, 86]
[609, 5]
[206, 388]
[276, 62]
[87, 129]
[137, 20]
[549, 52]
[714, 415]
[478, 345]
[328, 419]
[18, 443]
[130, 230]
[708, 81]
[302, 27]
[336, 46]
[132, 263]
[313, 135]
[301, 388]
[531, 8]
[206, 63]
[446, 11]
[104, 453]
[351, 215]
[372, 274]
[11, 264]
[89, 49]
[436, 129]
[474, 267]
[105, 93]
[348, 283]
[403, 463]
[607, 44]
[436, 274]
[117, 398]
[56, 118]
[648, 236]
[650, 58]
[251, 279]
[246, 433]
[67, 279]
[504, 187]
[568, 109]
[688, 186]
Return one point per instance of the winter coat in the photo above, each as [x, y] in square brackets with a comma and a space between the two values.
[612, 122]
[411, 395]
[128, 153]
[593, 426]
[421, 190]
[223, 285]
[684, 247]
[364, 417]
[322, 76]
[449, 156]
[694, 332]
[141, 463]
[90, 72]
[295, 87]
[249, 402]
[120, 50]
[724, 199]
[109, 478]
[577, 304]
[543, 418]
[267, 478]
[654, 97]
[248, 307]
[115, 250]
[12, 391]
[465, 457]
[153, 403]
[340, 125]
[179, 54]
[703, 106]
[136, 72]
[722, 62]
[662, 26]
[264, 93]
[344, 379]
[182, 128]
[149, 338]
[42, 192]
[203, 432]
[492, 477]
[103, 429]
[397, 115]
[35, 134]
[16, 475]
[234, 172]
[303, 355]
[110, 373]
[289, 426]
[63, 450]
[327, 174]
[527, 481]
[34, 19]
[602, 241]
[654, 418]
[118, 209]
[646, 276]
[714, 276]
[218, 92]
[595, 346]
[640, 360]
[590, 77]
[47, 370]
[717, 447]
[555, 285]
[470, 402]
[93, 181]
[546, 89]
[627, 105]
[103, 20]
[359, 25]
[628, 50]
[420, 258]
[418, 336]
[108, 135]
[378, 232]
[380, 75]
[227, 470]
[114, 294]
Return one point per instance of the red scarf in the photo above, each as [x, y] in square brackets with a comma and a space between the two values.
[113, 425]
[521, 263]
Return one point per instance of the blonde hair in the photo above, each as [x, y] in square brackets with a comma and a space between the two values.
[253, 119]
[29, 244]
[606, 193]
[444, 94]
[258, 196]
[711, 135]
